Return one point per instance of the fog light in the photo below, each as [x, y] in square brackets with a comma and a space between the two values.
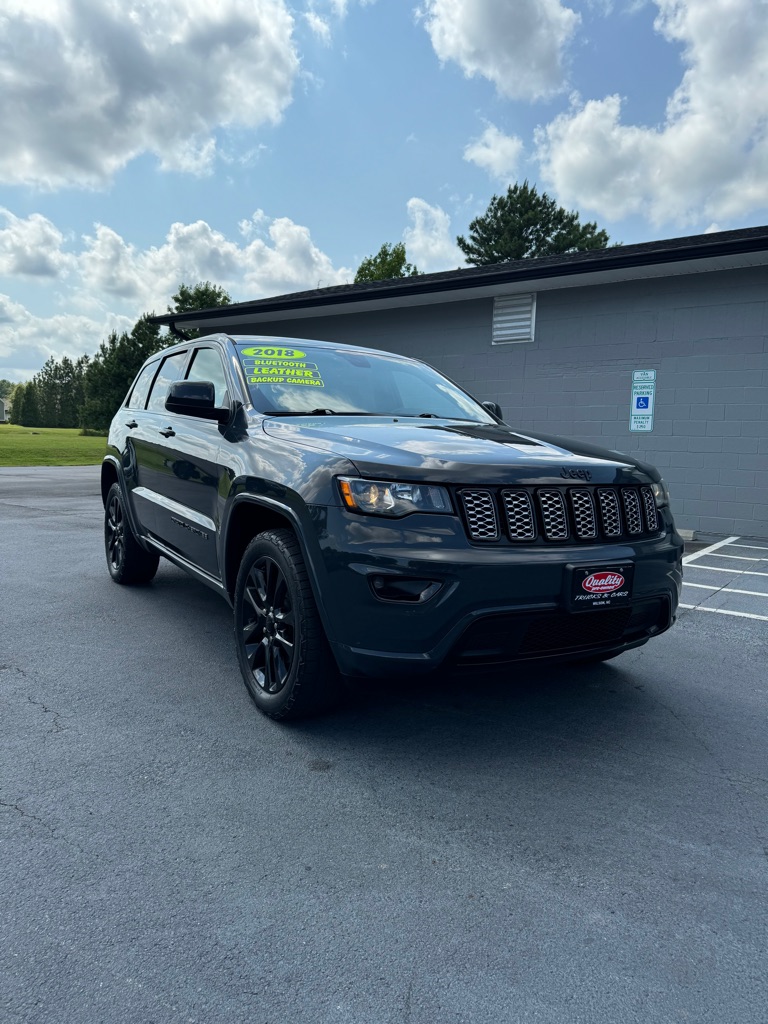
[407, 589]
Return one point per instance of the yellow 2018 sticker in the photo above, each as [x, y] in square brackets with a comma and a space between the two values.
[268, 352]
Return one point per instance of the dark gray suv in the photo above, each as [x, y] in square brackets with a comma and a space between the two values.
[364, 514]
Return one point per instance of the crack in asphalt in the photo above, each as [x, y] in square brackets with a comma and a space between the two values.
[57, 726]
[26, 814]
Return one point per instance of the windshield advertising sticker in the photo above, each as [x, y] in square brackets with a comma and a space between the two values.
[265, 365]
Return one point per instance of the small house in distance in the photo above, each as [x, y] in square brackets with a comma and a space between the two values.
[659, 349]
[5, 410]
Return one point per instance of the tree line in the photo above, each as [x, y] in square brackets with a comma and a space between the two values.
[86, 392]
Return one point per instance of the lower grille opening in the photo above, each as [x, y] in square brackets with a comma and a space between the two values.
[507, 637]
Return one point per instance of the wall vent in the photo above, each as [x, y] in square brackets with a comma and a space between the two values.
[514, 318]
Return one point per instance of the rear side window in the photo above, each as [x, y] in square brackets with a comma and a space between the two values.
[169, 372]
[138, 398]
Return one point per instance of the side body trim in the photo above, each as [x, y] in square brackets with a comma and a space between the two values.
[174, 506]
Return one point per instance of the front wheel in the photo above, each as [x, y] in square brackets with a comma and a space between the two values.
[284, 656]
[127, 560]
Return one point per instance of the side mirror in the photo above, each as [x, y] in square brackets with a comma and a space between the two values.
[494, 409]
[195, 398]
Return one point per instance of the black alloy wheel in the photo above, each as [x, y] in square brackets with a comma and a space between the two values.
[285, 660]
[269, 626]
[127, 561]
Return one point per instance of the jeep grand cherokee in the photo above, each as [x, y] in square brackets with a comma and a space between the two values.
[363, 514]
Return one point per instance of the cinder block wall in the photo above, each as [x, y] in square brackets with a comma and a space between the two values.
[706, 335]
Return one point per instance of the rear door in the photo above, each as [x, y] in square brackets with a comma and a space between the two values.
[185, 478]
[149, 440]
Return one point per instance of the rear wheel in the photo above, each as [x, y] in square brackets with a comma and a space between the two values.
[284, 656]
[127, 560]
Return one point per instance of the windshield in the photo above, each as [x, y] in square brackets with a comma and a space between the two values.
[330, 381]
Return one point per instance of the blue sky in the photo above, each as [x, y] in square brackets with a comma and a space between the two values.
[270, 146]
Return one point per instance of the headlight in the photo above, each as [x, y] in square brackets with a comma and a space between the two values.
[384, 498]
[660, 494]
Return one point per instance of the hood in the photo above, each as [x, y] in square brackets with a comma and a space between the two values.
[449, 451]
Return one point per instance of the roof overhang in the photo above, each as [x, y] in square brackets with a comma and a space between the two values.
[608, 267]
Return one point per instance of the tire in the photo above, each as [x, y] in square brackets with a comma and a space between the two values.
[287, 666]
[127, 560]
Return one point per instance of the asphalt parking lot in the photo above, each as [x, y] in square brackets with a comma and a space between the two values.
[573, 845]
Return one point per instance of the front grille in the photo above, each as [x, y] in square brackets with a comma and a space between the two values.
[631, 503]
[480, 511]
[509, 636]
[521, 520]
[649, 508]
[584, 513]
[609, 512]
[553, 514]
[558, 514]
[563, 632]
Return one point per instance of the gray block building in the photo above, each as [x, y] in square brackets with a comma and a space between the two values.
[559, 342]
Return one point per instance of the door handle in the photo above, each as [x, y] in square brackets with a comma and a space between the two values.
[132, 424]
[168, 432]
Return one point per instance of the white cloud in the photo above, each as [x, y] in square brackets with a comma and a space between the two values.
[496, 153]
[710, 157]
[319, 26]
[90, 84]
[32, 247]
[517, 46]
[27, 340]
[113, 282]
[429, 243]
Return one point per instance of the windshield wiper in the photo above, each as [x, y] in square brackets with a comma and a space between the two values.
[322, 412]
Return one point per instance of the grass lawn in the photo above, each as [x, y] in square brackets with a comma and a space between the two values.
[48, 446]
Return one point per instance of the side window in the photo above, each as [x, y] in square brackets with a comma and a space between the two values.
[169, 372]
[138, 396]
[207, 365]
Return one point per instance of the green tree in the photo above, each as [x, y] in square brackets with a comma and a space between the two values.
[521, 223]
[110, 373]
[17, 404]
[390, 261]
[203, 295]
[6, 387]
[31, 408]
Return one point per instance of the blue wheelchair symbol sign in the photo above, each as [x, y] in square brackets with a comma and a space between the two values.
[642, 401]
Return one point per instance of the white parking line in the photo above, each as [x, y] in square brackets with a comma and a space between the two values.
[733, 572]
[726, 590]
[741, 558]
[723, 611]
[705, 551]
[754, 547]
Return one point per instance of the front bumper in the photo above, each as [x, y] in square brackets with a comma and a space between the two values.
[495, 602]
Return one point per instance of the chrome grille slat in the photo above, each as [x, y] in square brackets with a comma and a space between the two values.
[608, 501]
[583, 508]
[553, 514]
[632, 515]
[521, 521]
[649, 507]
[480, 510]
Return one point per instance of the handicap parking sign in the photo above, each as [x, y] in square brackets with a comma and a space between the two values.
[643, 395]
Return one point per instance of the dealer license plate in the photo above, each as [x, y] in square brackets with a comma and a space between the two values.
[603, 586]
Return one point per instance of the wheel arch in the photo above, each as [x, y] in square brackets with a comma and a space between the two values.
[109, 475]
[248, 517]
